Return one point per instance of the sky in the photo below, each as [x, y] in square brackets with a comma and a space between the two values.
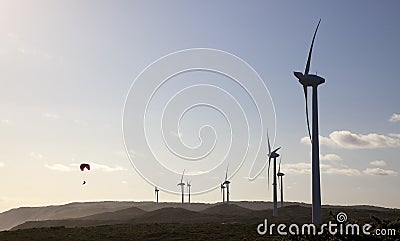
[67, 67]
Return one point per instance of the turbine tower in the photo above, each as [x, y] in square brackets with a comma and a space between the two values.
[226, 184]
[182, 185]
[188, 186]
[280, 179]
[156, 192]
[311, 80]
[273, 155]
[223, 192]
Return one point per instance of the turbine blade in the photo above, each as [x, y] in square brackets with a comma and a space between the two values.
[269, 145]
[226, 174]
[279, 185]
[183, 173]
[279, 170]
[308, 121]
[309, 53]
[277, 149]
[269, 163]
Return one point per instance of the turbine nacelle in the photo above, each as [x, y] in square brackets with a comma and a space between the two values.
[280, 174]
[273, 155]
[309, 79]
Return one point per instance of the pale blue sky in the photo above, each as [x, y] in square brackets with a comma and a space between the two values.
[66, 68]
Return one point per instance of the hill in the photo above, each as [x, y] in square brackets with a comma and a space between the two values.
[21, 215]
[110, 213]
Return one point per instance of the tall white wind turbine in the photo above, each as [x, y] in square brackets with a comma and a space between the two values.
[226, 184]
[156, 193]
[311, 80]
[188, 185]
[223, 192]
[182, 185]
[273, 155]
[280, 179]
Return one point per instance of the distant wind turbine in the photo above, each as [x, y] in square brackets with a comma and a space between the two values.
[273, 155]
[156, 192]
[223, 192]
[312, 80]
[182, 185]
[226, 184]
[280, 179]
[188, 186]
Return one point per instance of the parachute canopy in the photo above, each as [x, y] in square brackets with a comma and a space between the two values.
[83, 166]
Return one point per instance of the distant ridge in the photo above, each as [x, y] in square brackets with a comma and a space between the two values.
[13, 217]
[104, 213]
[225, 209]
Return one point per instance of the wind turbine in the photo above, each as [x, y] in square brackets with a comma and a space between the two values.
[273, 155]
[188, 186]
[156, 192]
[280, 176]
[226, 184]
[182, 184]
[223, 192]
[312, 80]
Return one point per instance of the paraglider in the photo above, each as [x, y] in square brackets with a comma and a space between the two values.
[82, 167]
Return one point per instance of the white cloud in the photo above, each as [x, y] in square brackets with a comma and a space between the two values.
[58, 167]
[105, 168]
[396, 135]
[322, 140]
[379, 172]
[348, 140]
[337, 169]
[395, 118]
[6, 122]
[93, 167]
[305, 168]
[296, 168]
[305, 140]
[342, 171]
[378, 163]
[50, 116]
[36, 156]
[330, 157]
